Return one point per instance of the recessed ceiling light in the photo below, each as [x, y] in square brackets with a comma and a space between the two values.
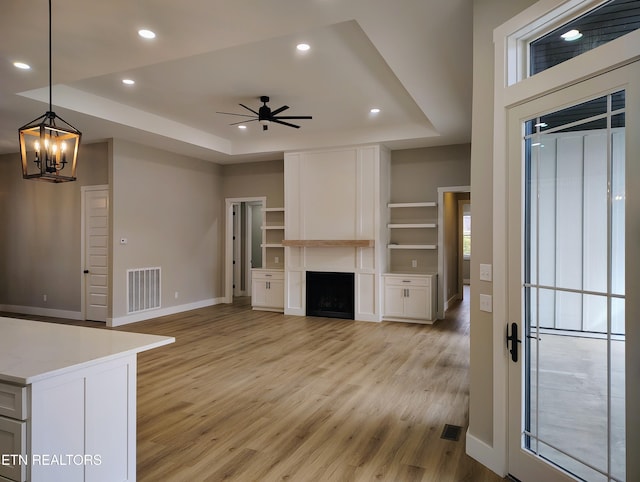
[144, 33]
[303, 47]
[128, 81]
[571, 35]
[21, 65]
[375, 110]
[242, 126]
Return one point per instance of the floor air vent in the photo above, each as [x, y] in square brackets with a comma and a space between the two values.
[143, 289]
[451, 432]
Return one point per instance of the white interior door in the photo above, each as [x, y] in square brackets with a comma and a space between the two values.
[572, 226]
[96, 253]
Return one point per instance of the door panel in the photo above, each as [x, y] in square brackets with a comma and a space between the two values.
[96, 252]
[567, 225]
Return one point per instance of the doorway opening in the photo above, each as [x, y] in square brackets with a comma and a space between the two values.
[452, 262]
[243, 244]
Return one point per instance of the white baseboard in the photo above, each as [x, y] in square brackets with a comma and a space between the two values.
[367, 317]
[485, 454]
[451, 300]
[172, 310]
[38, 311]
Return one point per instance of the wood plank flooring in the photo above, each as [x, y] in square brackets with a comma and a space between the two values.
[255, 396]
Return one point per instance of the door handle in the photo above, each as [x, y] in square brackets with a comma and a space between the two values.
[513, 338]
[86, 271]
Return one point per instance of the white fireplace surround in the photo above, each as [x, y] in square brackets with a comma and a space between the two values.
[337, 195]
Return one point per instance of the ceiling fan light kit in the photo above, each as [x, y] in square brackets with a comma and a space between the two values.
[265, 115]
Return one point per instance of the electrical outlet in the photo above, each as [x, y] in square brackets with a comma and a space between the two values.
[44, 298]
[277, 259]
[175, 295]
[486, 303]
[414, 263]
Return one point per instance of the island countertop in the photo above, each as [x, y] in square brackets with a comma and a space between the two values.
[33, 350]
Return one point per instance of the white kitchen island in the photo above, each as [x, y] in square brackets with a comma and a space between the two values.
[68, 401]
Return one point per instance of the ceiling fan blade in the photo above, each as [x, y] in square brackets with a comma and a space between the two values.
[233, 113]
[293, 117]
[277, 111]
[284, 123]
[249, 109]
[243, 122]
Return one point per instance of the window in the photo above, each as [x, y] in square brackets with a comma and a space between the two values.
[466, 235]
[603, 24]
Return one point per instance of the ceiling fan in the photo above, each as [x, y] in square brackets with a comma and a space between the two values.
[266, 115]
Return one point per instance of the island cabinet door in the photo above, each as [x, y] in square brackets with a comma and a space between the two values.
[13, 448]
[83, 424]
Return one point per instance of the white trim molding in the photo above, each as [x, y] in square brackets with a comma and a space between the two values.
[171, 310]
[37, 311]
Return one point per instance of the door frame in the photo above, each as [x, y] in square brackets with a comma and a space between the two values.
[510, 89]
[228, 263]
[83, 235]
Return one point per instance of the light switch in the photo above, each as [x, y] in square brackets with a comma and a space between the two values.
[486, 303]
[486, 272]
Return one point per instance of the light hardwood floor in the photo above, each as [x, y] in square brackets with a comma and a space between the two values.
[255, 396]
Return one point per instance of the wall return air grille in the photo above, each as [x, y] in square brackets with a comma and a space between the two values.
[143, 289]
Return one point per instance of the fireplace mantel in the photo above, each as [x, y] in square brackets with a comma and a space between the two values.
[324, 243]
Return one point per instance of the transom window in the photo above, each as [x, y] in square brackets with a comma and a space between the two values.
[603, 24]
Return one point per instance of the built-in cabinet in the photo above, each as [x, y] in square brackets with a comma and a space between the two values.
[410, 285]
[410, 298]
[267, 290]
[267, 283]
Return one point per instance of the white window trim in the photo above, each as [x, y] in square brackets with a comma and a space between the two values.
[512, 87]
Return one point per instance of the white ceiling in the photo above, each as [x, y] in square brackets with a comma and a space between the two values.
[410, 58]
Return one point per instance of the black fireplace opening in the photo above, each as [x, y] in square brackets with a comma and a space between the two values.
[331, 294]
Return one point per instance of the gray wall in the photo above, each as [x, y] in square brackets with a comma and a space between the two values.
[255, 179]
[169, 208]
[487, 14]
[416, 175]
[41, 238]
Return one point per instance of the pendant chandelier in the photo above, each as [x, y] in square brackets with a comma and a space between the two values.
[46, 147]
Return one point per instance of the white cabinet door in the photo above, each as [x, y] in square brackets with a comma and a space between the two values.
[259, 293]
[13, 441]
[416, 303]
[275, 294]
[394, 300]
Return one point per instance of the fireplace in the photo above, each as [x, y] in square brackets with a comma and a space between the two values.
[330, 294]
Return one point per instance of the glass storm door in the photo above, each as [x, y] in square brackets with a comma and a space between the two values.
[570, 160]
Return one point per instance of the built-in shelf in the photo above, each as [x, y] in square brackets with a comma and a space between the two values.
[413, 205]
[412, 225]
[272, 234]
[412, 246]
[323, 243]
